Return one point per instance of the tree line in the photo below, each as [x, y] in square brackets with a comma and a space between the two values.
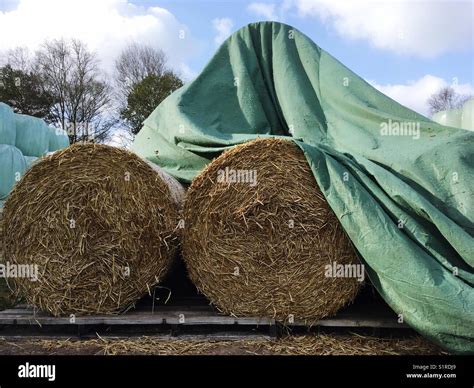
[64, 84]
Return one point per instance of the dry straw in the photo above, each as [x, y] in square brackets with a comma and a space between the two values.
[263, 249]
[100, 225]
[6, 297]
[319, 344]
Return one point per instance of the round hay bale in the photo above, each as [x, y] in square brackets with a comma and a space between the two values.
[100, 225]
[6, 297]
[262, 247]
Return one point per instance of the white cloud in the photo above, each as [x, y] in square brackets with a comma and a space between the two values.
[223, 26]
[106, 26]
[415, 94]
[266, 10]
[421, 28]
[186, 73]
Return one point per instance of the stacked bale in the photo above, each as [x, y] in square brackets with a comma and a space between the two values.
[468, 115]
[7, 125]
[58, 139]
[99, 224]
[454, 118]
[263, 246]
[440, 117]
[32, 135]
[12, 166]
[24, 139]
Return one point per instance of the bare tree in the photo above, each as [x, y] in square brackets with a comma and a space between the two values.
[445, 99]
[135, 63]
[71, 73]
[19, 58]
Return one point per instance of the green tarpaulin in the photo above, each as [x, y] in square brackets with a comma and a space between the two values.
[401, 185]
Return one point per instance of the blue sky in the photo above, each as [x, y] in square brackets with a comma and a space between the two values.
[384, 66]
[407, 49]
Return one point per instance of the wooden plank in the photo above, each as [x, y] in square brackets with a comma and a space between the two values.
[355, 322]
[17, 311]
[217, 336]
[384, 319]
[171, 317]
[186, 316]
[363, 315]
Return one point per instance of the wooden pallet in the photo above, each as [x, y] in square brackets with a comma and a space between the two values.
[187, 312]
[181, 320]
[185, 315]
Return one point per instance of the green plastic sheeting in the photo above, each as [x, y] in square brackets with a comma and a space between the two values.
[468, 115]
[401, 184]
[32, 135]
[12, 166]
[23, 139]
[459, 118]
[30, 160]
[454, 118]
[440, 117]
[58, 139]
[7, 125]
